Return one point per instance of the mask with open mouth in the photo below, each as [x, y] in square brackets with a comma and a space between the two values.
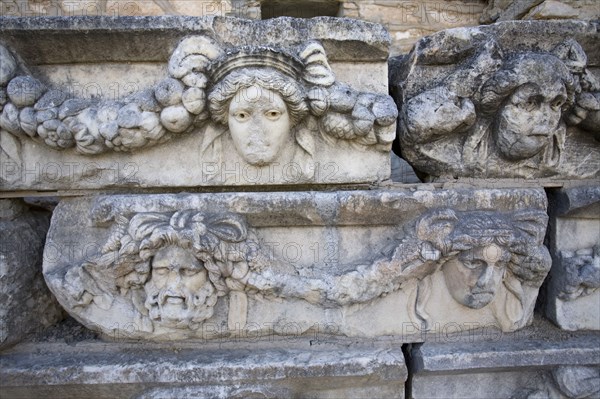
[179, 293]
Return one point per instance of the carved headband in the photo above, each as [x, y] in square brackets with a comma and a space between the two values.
[261, 57]
[203, 55]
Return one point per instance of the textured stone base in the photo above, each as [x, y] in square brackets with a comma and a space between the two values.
[538, 362]
[268, 369]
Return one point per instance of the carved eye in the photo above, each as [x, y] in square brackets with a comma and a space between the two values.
[241, 116]
[474, 264]
[530, 104]
[161, 271]
[190, 272]
[557, 103]
[500, 265]
[273, 114]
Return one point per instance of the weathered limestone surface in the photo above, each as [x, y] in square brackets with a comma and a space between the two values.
[501, 102]
[356, 263]
[572, 294]
[290, 368]
[533, 363]
[302, 293]
[408, 21]
[239, 102]
[505, 10]
[116, 8]
[26, 304]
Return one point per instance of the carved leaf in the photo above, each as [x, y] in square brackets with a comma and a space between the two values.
[211, 148]
[552, 156]
[238, 310]
[10, 146]
[532, 223]
[229, 227]
[424, 290]
[306, 140]
[144, 224]
[368, 140]
[514, 302]
[317, 70]
[509, 307]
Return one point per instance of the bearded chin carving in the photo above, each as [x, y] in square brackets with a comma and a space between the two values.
[180, 308]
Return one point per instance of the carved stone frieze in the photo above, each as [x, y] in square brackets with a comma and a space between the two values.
[493, 102]
[260, 106]
[572, 291]
[202, 266]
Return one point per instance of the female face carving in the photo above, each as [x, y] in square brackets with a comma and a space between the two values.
[260, 125]
[475, 275]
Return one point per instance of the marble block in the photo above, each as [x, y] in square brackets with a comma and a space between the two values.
[26, 304]
[185, 102]
[533, 363]
[354, 263]
[272, 369]
[516, 100]
[573, 289]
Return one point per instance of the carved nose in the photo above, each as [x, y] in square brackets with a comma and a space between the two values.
[486, 276]
[174, 279]
[546, 119]
[256, 133]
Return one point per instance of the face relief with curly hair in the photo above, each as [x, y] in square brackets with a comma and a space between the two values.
[178, 292]
[260, 107]
[530, 94]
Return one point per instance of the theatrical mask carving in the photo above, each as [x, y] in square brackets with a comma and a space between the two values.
[483, 260]
[487, 260]
[474, 276]
[499, 112]
[170, 269]
[269, 103]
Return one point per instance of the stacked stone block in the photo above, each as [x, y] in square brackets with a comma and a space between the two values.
[228, 220]
[513, 104]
